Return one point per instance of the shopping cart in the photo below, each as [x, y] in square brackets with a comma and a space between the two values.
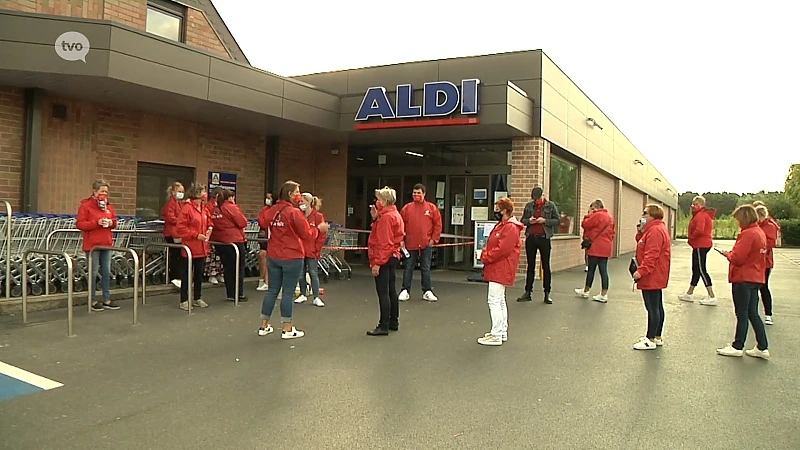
[330, 262]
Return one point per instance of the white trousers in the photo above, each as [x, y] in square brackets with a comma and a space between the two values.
[497, 309]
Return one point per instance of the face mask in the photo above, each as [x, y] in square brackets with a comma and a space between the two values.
[378, 205]
[498, 216]
[417, 197]
[303, 208]
[297, 197]
[696, 207]
[179, 195]
[102, 200]
[268, 202]
[204, 196]
[102, 196]
[643, 221]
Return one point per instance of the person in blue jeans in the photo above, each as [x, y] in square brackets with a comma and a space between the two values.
[97, 219]
[287, 228]
[310, 206]
[423, 228]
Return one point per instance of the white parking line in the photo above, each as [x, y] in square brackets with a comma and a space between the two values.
[27, 377]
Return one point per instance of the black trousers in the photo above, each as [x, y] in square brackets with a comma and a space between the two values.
[228, 257]
[654, 303]
[386, 287]
[745, 306]
[699, 256]
[198, 266]
[175, 263]
[534, 243]
[766, 295]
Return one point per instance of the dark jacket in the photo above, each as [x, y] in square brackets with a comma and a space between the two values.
[550, 214]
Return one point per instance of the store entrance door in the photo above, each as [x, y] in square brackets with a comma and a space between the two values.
[470, 199]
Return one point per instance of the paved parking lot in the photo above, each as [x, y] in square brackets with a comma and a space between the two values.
[567, 378]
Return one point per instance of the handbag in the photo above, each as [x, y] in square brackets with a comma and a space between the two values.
[586, 243]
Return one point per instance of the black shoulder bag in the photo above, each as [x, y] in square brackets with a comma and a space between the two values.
[587, 243]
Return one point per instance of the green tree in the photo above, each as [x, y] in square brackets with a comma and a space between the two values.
[685, 202]
[792, 185]
[723, 202]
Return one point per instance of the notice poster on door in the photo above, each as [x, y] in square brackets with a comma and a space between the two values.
[499, 194]
[457, 215]
[483, 229]
[224, 180]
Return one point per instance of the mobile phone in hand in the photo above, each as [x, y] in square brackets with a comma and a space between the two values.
[719, 251]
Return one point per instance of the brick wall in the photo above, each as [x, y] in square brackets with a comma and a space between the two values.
[200, 34]
[12, 142]
[595, 185]
[128, 12]
[97, 141]
[90, 9]
[528, 156]
[318, 171]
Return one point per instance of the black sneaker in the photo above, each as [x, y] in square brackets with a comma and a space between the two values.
[378, 332]
[526, 297]
[110, 305]
[243, 298]
[394, 327]
[97, 307]
[547, 298]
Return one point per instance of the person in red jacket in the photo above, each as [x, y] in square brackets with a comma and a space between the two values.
[701, 232]
[500, 258]
[310, 206]
[194, 229]
[423, 224]
[383, 249]
[229, 224]
[96, 218]
[653, 257]
[748, 262]
[287, 227]
[263, 280]
[770, 229]
[213, 266]
[169, 214]
[599, 231]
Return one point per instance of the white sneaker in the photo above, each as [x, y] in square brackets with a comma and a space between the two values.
[213, 280]
[659, 341]
[199, 304]
[601, 298]
[185, 306]
[429, 297]
[581, 293]
[176, 283]
[318, 302]
[728, 350]
[768, 320]
[301, 299]
[711, 301]
[221, 278]
[645, 344]
[505, 336]
[262, 286]
[403, 295]
[265, 331]
[756, 353]
[585, 268]
[297, 291]
[490, 340]
[294, 334]
[686, 298]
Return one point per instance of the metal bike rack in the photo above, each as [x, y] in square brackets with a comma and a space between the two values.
[70, 274]
[189, 269]
[92, 280]
[238, 268]
[10, 215]
[73, 230]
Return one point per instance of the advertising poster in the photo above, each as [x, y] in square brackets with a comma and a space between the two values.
[224, 180]
[483, 229]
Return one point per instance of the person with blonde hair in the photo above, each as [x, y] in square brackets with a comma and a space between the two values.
[599, 231]
[748, 261]
[770, 229]
[701, 233]
[97, 218]
[194, 229]
[383, 250]
[310, 206]
[169, 214]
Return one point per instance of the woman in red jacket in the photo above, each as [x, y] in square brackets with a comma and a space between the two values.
[748, 261]
[170, 213]
[213, 264]
[770, 229]
[287, 227]
[229, 224]
[263, 281]
[599, 231]
[500, 258]
[310, 206]
[701, 230]
[194, 228]
[653, 257]
[383, 249]
[96, 218]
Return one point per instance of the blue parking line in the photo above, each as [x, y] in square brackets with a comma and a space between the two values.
[12, 387]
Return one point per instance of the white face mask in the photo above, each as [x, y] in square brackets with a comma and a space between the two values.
[179, 195]
[643, 221]
[268, 202]
[303, 208]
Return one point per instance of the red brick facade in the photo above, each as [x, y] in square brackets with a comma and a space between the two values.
[133, 13]
[12, 140]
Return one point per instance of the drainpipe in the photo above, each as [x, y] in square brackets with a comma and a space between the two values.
[34, 106]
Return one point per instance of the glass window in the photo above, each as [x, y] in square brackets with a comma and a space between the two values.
[564, 193]
[152, 181]
[164, 23]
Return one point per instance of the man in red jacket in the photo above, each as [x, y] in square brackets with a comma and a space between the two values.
[423, 224]
[96, 218]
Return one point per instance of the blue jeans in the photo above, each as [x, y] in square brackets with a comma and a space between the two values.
[310, 266]
[283, 275]
[424, 257]
[101, 263]
[745, 306]
[596, 262]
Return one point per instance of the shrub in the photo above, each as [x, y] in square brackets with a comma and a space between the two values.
[790, 232]
[725, 227]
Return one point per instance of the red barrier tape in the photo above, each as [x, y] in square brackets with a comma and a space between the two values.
[456, 244]
[353, 230]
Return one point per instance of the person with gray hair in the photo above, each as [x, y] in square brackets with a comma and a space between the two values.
[388, 231]
[770, 229]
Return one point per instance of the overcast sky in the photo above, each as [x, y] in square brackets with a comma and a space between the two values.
[705, 89]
